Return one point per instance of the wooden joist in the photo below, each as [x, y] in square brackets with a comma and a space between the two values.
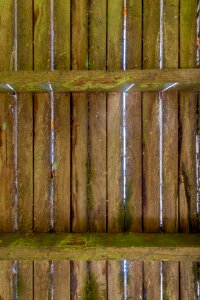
[90, 81]
[98, 246]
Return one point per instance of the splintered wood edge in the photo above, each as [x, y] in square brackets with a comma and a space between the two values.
[90, 81]
[95, 246]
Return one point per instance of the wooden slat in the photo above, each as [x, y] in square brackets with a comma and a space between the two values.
[114, 142]
[6, 119]
[61, 279]
[188, 285]
[188, 124]
[97, 141]
[170, 145]
[41, 119]
[79, 50]
[25, 280]
[85, 246]
[133, 211]
[135, 280]
[62, 119]
[25, 118]
[41, 279]
[151, 212]
[6, 282]
[150, 105]
[105, 81]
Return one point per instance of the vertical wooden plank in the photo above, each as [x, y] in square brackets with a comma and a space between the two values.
[135, 280]
[97, 119]
[42, 170]
[114, 141]
[170, 145]
[41, 280]
[79, 52]
[6, 282]
[187, 120]
[151, 205]
[25, 117]
[133, 211]
[25, 280]
[79, 275]
[80, 119]
[62, 144]
[61, 279]
[97, 139]
[62, 118]
[6, 119]
[188, 285]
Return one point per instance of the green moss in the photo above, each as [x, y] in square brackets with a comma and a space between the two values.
[91, 289]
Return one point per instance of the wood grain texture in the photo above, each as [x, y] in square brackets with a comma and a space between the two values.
[151, 280]
[42, 166]
[97, 140]
[25, 118]
[80, 119]
[187, 121]
[188, 284]
[6, 119]
[6, 282]
[62, 118]
[79, 223]
[171, 280]
[135, 279]
[25, 280]
[114, 120]
[97, 120]
[133, 207]
[61, 279]
[115, 208]
[151, 207]
[41, 280]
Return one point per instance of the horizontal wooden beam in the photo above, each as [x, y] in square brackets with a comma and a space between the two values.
[90, 81]
[97, 246]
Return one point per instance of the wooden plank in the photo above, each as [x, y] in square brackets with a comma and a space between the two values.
[97, 143]
[95, 246]
[41, 279]
[135, 279]
[78, 279]
[6, 283]
[25, 118]
[25, 280]
[6, 119]
[188, 106]
[41, 119]
[151, 207]
[133, 208]
[171, 280]
[101, 81]
[188, 285]
[61, 279]
[150, 104]
[79, 209]
[80, 119]
[170, 145]
[115, 211]
[62, 119]
[97, 120]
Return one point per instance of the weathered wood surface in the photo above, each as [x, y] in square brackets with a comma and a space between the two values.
[96, 246]
[7, 106]
[92, 81]
[79, 151]
[187, 123]
[133, 206]
[115, 210]
[42, 121]
[61, 125]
